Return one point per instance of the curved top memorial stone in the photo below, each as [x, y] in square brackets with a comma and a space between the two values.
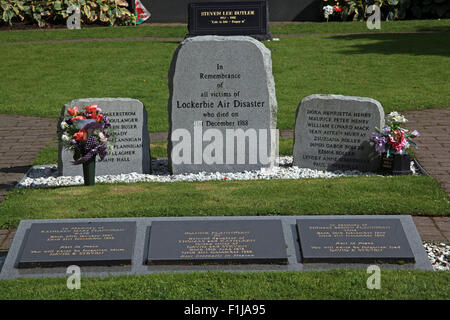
[222, 106]
[131, 153]
[332, 132]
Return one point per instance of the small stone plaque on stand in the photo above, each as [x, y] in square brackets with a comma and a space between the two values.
[217, 242]
[353, 241]
[249, 18]
[396, 164]
[82, 244]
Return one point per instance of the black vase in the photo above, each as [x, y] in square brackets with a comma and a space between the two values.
[89, 172]
[396, 164]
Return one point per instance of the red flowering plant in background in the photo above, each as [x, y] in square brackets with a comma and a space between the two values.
[331, 8]
[394, 137]
[86, 133]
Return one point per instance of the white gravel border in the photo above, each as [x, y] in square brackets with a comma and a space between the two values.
[46, 176]
[439, 255]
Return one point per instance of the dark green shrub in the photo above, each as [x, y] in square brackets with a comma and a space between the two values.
[390, 9]
[44, 12]
[429, 9]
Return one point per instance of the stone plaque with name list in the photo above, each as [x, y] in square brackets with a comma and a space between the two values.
[128, 118]
[353, 241]
[332, 132]
[150, 245]
[82, 244]
[217, 242]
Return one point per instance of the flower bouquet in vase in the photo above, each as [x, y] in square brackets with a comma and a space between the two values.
[86, 133]
[392, 141]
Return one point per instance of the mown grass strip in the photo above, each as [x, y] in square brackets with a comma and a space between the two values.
[383, 67]
[180, 31]
[415, 195]
[361, 27]
[337, 284]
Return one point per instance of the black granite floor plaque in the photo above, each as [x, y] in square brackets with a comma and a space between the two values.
[78, 243]
[229, 18]
[217, 242]
[380, 240]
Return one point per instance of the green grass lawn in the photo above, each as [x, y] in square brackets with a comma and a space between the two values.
[337, 284]
[176, 31]
[402, 71]
[417, 195]
[361, 26]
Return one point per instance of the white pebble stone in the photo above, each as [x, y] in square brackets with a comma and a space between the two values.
[46, 176]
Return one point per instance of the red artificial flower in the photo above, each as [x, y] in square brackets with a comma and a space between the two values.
[80, 135]
[337, 9]
[78, 118]
[99, 117]
[397, 140]
[73, 111]
[92, 108]
[93, 116]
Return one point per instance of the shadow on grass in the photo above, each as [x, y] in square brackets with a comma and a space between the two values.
[435, 29]
[433, 44]
[172, 41]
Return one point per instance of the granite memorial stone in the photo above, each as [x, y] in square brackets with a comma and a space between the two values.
[82, 244]
[128, 118]
[230, 18]
[218, 242]
[353, 241]
[332, 132]
[151, 245]
[222, 106]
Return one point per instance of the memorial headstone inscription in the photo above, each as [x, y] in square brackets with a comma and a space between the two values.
[353, 241]
[82, 243]
[332, 132]
[128, 118]
[222, 106]
[118, 246]
[223, 242]
[229, 18]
